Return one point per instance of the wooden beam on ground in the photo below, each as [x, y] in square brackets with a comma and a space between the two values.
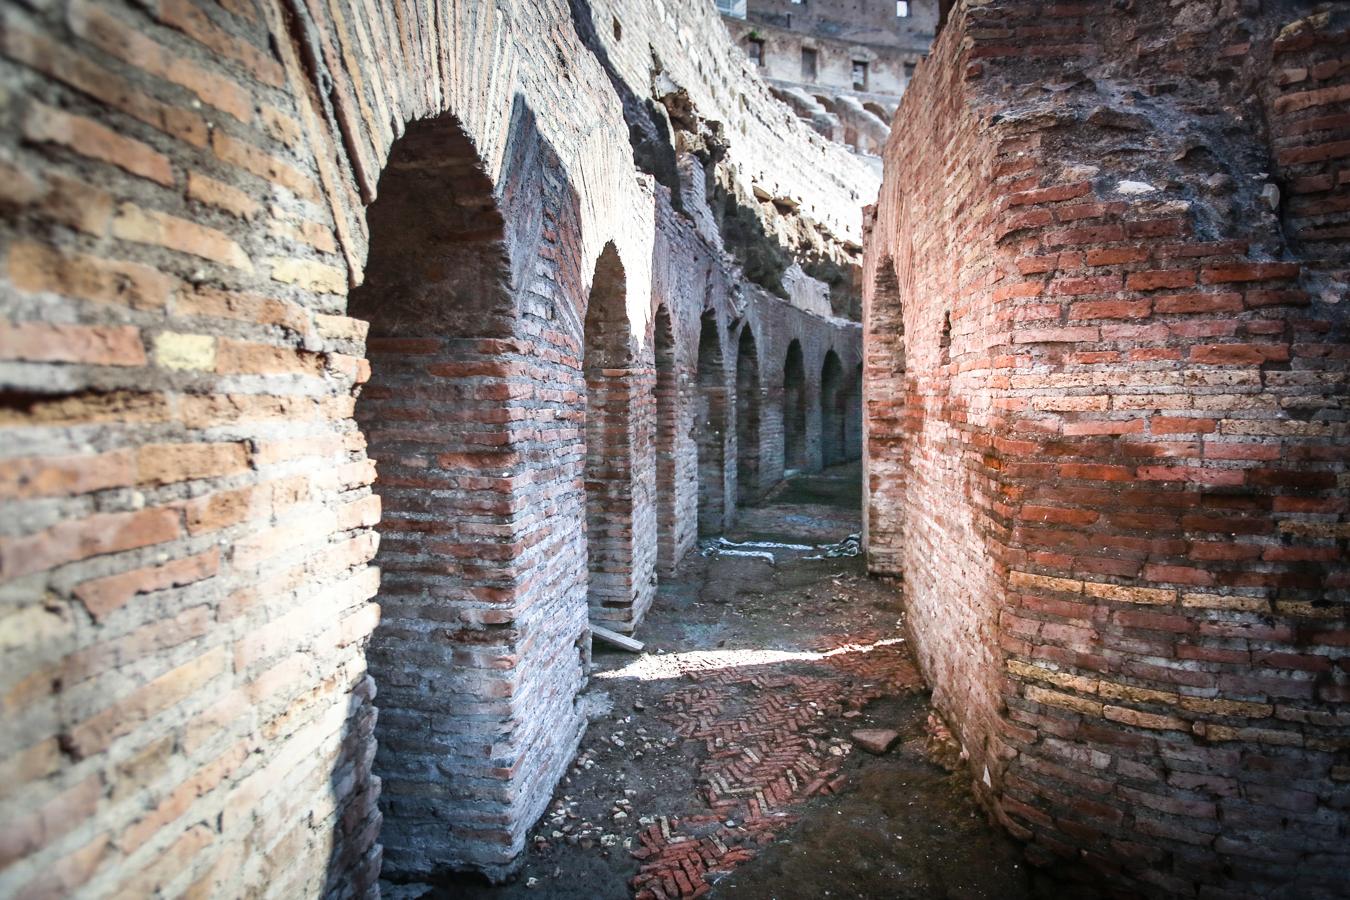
[613, 638]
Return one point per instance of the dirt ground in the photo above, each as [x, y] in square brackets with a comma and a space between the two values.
[720, 762]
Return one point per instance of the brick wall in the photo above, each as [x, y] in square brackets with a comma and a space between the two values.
[255, 253]
[1105, 357]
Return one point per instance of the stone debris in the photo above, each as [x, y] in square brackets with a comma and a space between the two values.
[875, 740]
[849, 546]
[765, 550]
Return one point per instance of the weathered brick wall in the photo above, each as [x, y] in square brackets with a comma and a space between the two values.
[1105, 363]
[207, 206]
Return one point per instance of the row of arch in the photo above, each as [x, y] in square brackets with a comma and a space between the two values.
[495, 393]
[713, 400]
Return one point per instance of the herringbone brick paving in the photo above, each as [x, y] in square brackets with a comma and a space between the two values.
[764, 730]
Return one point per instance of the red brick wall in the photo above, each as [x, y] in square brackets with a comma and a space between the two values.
[1118, 497]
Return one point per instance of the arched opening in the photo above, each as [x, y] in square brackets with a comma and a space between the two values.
[667, 405]
[608, 367]
[747, 418]
[438, 301]
[794, 409]
[831, 410]
[710, 416]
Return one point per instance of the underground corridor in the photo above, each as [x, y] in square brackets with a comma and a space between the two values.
[772, 740]
[620, 449]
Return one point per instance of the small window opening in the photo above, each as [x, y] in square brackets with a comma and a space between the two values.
[902, 9]
[808, 64]
[754, 48]
[618, 30]
[859, 75]
[945, 341]
[909, 72]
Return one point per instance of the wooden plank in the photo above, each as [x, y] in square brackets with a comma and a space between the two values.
[622, 641]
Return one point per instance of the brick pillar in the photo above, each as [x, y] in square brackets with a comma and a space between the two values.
[710, 429]
[885, 462]
[748, 431]
[794, 409]
[620, 517]
[831, 410]
[666, 429]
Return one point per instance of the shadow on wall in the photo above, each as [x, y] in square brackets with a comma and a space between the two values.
[467, 583]
[648, 128]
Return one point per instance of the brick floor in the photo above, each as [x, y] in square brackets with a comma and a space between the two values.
[764, 729]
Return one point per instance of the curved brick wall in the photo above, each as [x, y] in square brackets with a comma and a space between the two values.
[1117, 492]
[192, 633]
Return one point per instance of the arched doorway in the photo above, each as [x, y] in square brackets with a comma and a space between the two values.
[831, 410]
[608, 367]
[438, 301]
[794, 409]
[666, 440]
[747, 418]
[710, 416]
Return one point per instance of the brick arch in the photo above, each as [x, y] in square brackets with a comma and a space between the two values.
[748, 414]
[831, 409]
[794, 408]
[619, 570]
[710, 424]
[438, 304]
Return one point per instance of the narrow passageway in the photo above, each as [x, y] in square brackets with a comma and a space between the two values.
[723, 760]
